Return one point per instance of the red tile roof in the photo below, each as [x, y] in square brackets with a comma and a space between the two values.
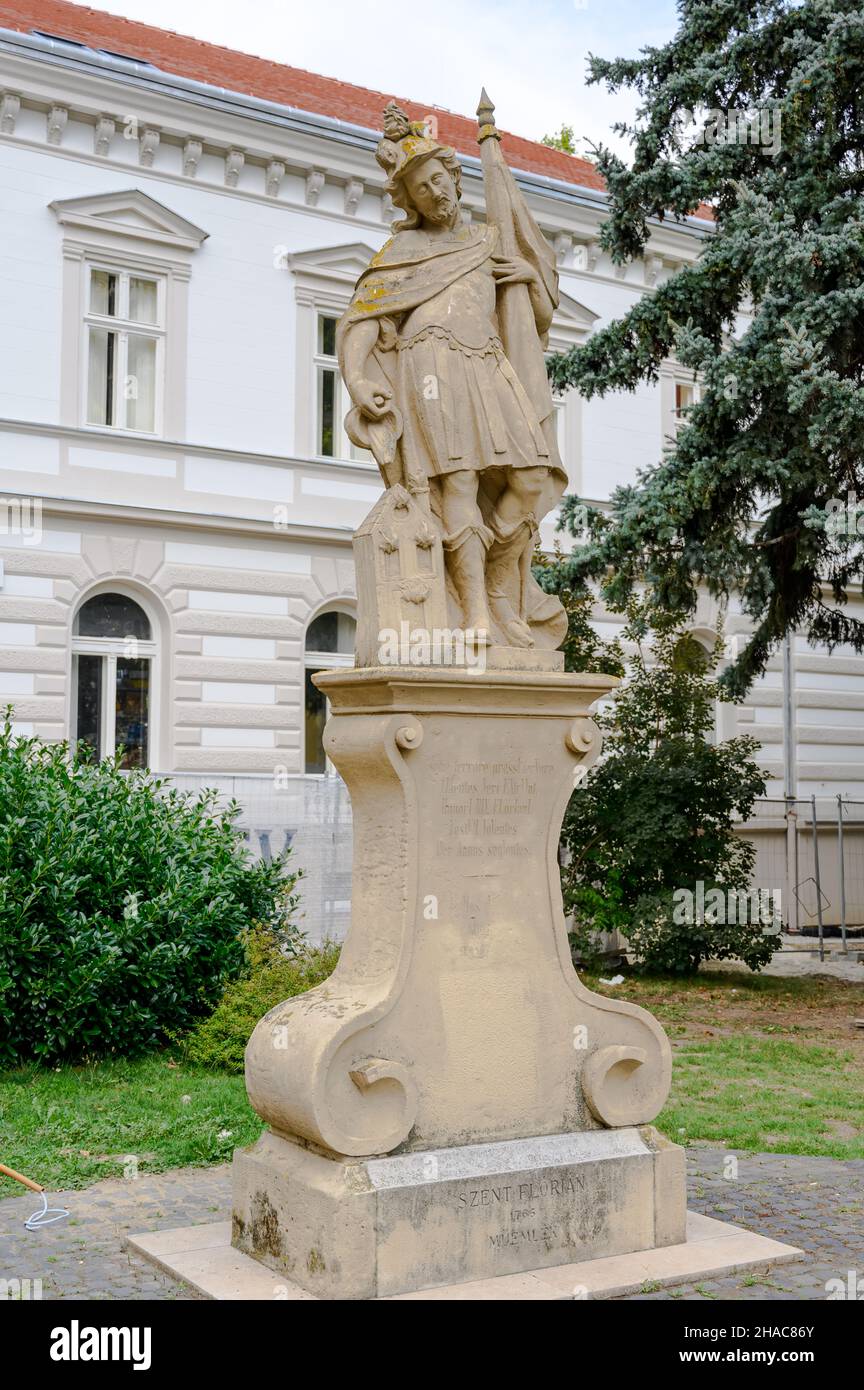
[241, 72]
[244, 73]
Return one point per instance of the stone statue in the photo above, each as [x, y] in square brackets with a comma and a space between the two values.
[441, 349]
[453, 1102]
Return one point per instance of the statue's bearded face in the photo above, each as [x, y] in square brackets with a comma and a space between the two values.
[432, 190]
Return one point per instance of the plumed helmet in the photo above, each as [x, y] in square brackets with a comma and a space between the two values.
[405, 143]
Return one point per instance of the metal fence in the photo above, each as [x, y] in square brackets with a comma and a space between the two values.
[310, 814]
[811, 850]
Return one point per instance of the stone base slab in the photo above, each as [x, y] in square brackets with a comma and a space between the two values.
[372, 1227]
[203, 1257]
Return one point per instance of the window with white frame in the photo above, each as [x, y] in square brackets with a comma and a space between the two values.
[685, 398]
[113, 685]
[679, 392]
[559, 417]
[329, 644]
[127, 263]
[125, 349]
[324, 280]
[332, 401]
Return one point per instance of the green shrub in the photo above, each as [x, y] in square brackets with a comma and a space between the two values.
[220, 1040]
[122, 904]
[654, 820]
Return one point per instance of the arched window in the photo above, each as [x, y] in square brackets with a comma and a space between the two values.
[697, 653]
[693, 653]
[329, 643]
[113, 651]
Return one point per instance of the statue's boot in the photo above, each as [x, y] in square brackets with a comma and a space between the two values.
[466, 563]
[508, 567]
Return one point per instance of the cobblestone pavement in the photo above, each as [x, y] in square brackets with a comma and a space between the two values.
[814, 1203]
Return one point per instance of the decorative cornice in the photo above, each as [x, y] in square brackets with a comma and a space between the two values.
[273, 176]
[194, 521]
[162, 98]
[353, 194]
[56, 121]
[79, 434]
[148, 143]
[234, 161]
[314, 184]
[10, 105]
[192, 151]
[103, 134]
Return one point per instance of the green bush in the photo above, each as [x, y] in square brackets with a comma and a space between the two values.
[654, 820]
[220, 1040]
[123, 904]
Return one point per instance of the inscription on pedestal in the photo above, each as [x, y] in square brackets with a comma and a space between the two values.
[501, 1222]
[487, 807]
[518, 1203]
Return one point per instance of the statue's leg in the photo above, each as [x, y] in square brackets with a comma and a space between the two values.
[514, 526]
[466, 542]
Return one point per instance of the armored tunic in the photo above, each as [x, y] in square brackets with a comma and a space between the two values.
[462, 405]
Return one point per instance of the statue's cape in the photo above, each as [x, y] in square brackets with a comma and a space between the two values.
[395, 282]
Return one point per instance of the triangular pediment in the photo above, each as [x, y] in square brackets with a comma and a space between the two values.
[570, 313]
[128, 213]
[343, 263]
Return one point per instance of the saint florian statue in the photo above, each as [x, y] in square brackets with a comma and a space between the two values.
[442, 351]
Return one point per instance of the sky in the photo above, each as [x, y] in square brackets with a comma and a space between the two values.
[529, 54]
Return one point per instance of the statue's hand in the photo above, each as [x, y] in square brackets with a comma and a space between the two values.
[372, 400]
[513, 270]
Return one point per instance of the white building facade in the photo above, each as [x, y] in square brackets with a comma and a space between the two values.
[177, 493]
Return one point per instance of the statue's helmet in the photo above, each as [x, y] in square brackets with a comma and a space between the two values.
[405, 144]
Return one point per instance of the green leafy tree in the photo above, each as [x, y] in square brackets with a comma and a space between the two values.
[756, 107]
[124, 904]
[583, 647]
[654, 817]
[564, 140]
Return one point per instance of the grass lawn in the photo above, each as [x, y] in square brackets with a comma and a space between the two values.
[72, 1126]
[760, 1063]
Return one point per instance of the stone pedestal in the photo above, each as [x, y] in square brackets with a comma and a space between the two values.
[455, 1035]
[383, 1226]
